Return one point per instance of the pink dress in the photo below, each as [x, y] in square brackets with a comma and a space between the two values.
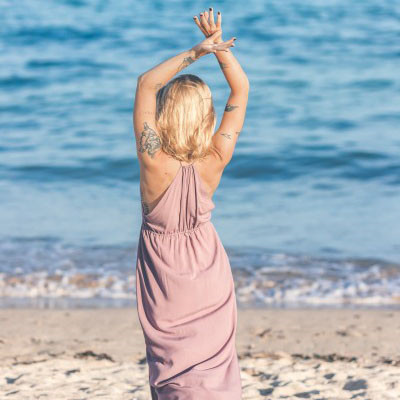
[185, 297]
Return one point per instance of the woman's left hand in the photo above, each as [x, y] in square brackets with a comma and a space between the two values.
[212, 44]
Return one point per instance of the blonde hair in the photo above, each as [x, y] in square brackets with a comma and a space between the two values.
[186, 118]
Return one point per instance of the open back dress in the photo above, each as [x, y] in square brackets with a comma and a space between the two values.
[185, 297]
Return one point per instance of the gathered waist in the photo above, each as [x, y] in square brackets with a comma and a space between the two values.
[185, 232]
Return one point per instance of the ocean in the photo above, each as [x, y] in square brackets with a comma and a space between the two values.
[309, 207]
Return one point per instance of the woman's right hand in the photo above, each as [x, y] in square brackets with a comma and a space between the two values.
[207, 24]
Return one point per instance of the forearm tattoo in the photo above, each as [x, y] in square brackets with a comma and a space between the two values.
[227, 135]
[158, 86]
[222, 65]
[186, 61]
[230, 107]
[149, 141]
[237, 133]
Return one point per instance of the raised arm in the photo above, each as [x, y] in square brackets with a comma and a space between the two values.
[226, 136]
[148, 142]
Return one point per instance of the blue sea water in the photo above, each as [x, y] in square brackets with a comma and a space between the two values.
[309, 207]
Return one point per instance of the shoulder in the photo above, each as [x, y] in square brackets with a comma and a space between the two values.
[156, 165]
[210, 170]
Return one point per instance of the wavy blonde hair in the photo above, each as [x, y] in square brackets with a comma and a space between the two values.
[186, 118]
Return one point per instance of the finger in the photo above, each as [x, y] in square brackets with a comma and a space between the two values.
[211, 18]
[204, 22]
[220, 47]
[230, 41]
[226, 45]
[219, 20]
[197, 22]
[206, 16]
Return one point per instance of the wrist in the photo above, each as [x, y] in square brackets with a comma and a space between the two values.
[193, 54]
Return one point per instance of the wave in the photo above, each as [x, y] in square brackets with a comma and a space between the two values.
[34, 271]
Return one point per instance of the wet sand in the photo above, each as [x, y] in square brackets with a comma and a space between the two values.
[283, 354]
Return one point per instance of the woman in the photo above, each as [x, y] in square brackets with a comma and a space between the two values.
[185, 291]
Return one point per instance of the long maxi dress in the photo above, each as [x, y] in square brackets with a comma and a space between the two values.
[185, 297]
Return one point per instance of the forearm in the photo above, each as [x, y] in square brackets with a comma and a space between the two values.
[232, 70]
[158, 76]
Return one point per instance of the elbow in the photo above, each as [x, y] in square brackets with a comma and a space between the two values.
[242, 90]
[242, 87]
[141, 82]
[246, 84]
[144, 82]
[142, 77]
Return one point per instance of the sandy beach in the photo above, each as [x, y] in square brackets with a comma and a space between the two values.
[284, 354]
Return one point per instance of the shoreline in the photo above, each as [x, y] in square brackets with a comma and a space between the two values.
[326, 353]
[50, 303]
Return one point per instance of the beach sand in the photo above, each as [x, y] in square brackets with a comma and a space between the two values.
[284, 354]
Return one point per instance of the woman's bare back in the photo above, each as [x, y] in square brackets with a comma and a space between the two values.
[155, 180]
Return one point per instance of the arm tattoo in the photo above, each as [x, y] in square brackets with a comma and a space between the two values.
[237, 133]
[222, 65]
[186, 61]
[158, 86]
[230, 107]
[227, 135]
[149, 141]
